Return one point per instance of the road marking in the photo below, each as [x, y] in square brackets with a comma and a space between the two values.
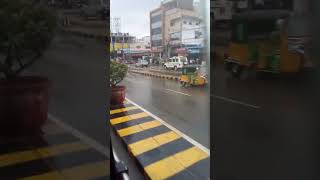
[125, 102]
[93, 143]
[190, 156]
[235, 101]
[40, 153]
[178, 92]
[119, 120]
[52, 129]
[138, 128]
[195, 143]
[148, 144]
[168, 166]
[123, 110]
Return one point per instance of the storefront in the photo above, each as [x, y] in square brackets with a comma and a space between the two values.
[135, 54]
[193, 52]
[156, 52]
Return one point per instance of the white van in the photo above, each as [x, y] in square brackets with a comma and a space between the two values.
[176, 62]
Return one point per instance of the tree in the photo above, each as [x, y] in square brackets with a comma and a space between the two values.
[118, 72]
[26, 30]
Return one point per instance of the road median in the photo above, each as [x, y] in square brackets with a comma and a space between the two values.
[154, 73]
[85, 28]
[85, 32]
[161, 151]
[56, 154]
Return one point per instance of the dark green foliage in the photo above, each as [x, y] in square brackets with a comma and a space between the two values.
[26, 30]
[118, 72]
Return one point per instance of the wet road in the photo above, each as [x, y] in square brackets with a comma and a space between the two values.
[186, 109]
[76, 67]
[265, 129]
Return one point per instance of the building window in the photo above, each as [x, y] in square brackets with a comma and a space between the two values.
[175, 36]
[190, 23]
[156, 31]
[155, 18]
[156, 43]
[184, 22]
[171, 23]
[197, 34]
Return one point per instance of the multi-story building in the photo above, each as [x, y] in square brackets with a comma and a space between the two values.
[184, 28]
[129, 47]
[156, 31]
[175, 24]
[140, 43]
[119, 42]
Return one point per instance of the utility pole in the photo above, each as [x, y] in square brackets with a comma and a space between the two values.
[122, 45]
[112, 43]
[181, 30]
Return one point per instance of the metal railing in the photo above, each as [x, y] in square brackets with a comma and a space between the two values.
[121, 171]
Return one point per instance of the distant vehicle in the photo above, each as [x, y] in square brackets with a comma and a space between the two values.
[142, 63]
[129, 62]
[147, 58]
[176, 62]
[193, 75]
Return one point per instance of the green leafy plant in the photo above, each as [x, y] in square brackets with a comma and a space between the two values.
[118, 72]
[26, 30]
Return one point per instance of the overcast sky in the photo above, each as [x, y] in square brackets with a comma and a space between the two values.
[134, 15]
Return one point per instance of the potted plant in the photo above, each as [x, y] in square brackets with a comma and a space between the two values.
[118, 72]
[26, 30]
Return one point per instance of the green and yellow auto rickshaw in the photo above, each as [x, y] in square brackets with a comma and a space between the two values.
[260, 42]
[193, 75]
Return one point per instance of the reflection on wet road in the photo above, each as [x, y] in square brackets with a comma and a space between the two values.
[264, 120]
[187, 109]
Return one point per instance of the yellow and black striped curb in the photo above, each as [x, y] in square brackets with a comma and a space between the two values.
[162, 76]
[160, 152]
[54, 155]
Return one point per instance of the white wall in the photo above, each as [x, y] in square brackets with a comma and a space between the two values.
[189, 31]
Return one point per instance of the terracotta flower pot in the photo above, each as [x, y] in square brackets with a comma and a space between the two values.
[118, 95]
[23, 105]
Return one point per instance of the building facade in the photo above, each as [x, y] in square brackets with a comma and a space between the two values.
[156, 31]
[141, 43]
[175, 25]
[184, 28]
[119, 42]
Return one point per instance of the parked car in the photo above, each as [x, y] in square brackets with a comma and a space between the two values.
[176, 62]
[142, 63]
